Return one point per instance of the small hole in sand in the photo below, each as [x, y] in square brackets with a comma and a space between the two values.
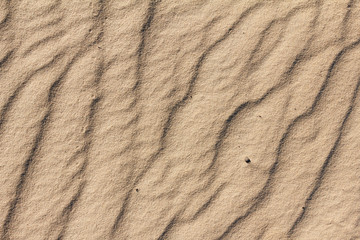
[137, 190]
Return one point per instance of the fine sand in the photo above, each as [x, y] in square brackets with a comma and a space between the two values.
[184, 120]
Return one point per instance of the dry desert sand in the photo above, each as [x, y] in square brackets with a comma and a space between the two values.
[185, 120]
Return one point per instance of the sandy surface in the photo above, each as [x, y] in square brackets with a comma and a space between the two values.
[180, 120]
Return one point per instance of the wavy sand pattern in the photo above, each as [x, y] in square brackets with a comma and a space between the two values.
[214, 119]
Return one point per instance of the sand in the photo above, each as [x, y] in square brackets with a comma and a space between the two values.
[183, 120]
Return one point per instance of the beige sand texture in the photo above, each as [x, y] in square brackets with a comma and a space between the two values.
[185, 120]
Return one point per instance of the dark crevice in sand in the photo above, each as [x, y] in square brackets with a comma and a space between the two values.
[139, 78]
[46, 10]
[345, 20]
[251, 65]
[7, 17]
[171, 225]
[75, 156]
[208, 202]
[21, 183]
[11, 100]
[6, 58]
[144, 35]
[262, 233]
[44, 26]
[324, 167]
[65, 215]
[43, 41]
[121, 214]
[85, 150]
